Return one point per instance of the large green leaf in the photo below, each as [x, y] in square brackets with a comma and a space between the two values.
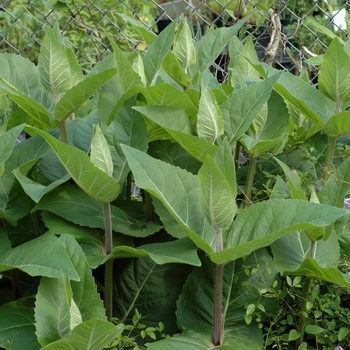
[197, 147]
[53, 306]
[240, 109]
[100, 153]
[89, 212]
[33, 189]
[335, 72]
[127, 76]
[157, 52]
[263, 223]
[24, 75]
[210, 123]
[38, 114]
[168, 117]
[85, 293]
[90, 240]
[306, 99]
[61, 305]
[94, 334]
[337, 125]
[165, 94]
[337, 186]
[184, 48]
[151, 288]
[179, 192]
[7, 142]
[310, 268]
[17, 330]
[292, 249]
[42, 256]
[195, 306]
[211, 45]
[217, 198]
[53, 64]
[88, 177]
[81, 93]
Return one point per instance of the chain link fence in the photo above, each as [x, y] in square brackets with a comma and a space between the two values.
[306, 26]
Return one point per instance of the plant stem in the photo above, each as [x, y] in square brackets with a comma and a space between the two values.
[108, 228]
[128, 186]
[15, 284]
[250, 179]
[304, 298]
[149, 208]
[108, 290]
[329, 157]
[218, 325]
[237, 155]
[63, 131]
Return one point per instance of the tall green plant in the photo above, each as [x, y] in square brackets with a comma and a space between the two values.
[158, 122]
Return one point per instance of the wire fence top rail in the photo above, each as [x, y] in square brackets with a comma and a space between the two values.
[87, 24]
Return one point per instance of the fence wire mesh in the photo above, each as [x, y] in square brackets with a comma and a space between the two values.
[88, 23]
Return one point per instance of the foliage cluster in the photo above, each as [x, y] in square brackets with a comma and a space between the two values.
[242, 182]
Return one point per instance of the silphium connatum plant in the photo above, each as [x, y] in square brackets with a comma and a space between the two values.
[158, 118]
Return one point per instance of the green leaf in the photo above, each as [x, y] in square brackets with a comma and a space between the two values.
[4, 102]
[42, 256]
[240, 109]
[17, 330]
[313, 329]
[259, 147]
[85, 294]
[210, 123]
[305, 98]
[88, 177]
[53, 64]
[38, 114]
[211, 45]
[151, 288]
[188, 340]
[81, 93]
[52, 310]
[76, 73]
[129, 128]
[195, 304]
[89, 212]
[217, 198]
[157, 52]
[160, 179]
[168, 117]
[184, 48]
[24, 75]
[290, 251]
[294, 182]
[194, 145]
[277, 217]
[127, 76]
[337, 125]
[7, 142]
[36, 190]
[100, 153]
[165, 94]
[179, 251]
[94, 334]
[337, 186]
[335, 72]
[293, 335]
